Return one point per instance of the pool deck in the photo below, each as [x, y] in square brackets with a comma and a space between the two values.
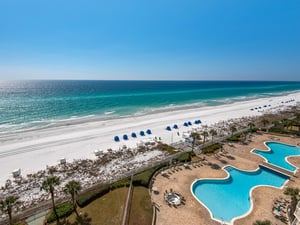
[193, 213]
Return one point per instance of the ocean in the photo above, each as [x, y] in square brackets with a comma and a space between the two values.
[36, 104]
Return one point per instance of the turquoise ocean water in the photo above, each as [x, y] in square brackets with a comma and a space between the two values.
[34, 104]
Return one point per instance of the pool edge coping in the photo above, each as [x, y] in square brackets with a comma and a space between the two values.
[228, 175]
[269, 149]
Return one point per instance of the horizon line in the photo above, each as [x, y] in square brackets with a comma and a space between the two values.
[215, 80]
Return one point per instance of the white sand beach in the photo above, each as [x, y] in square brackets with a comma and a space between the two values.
[34, 150]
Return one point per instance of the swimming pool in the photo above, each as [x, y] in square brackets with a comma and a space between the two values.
[277, 154]
[229, 198]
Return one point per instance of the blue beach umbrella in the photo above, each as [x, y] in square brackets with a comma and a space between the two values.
[142, 133]
[185, 124]
[175, 126]
[148, 131]
[168, 128]
[125, 137]
[197, 121]
[117, 139]
[133, 135]
[189, 123]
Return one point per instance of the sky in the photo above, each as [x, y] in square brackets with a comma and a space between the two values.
[150, 40]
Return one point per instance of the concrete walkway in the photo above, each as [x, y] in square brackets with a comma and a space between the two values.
[37, 219]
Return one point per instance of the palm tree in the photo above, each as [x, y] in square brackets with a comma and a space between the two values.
[72, 188]
[251, 125]
[213, 133]
[48, 186]
[195, 136]
[204, 134]
[6, 206]
[276, 123]
[265, 122]
[233, 129]
[287, 123]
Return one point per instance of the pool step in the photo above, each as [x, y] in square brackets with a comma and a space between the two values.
[278, 169]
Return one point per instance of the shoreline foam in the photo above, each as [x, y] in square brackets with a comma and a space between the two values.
[113, 114]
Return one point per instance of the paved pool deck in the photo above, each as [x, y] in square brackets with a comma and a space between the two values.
[238, 155]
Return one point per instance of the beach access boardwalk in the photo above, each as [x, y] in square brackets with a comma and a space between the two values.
[42, 206]
[182, 147]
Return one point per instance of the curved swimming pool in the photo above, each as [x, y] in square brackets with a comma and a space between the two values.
[278, 153]
[229, 198]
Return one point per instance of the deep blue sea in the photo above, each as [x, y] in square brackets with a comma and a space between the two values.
[32, 104]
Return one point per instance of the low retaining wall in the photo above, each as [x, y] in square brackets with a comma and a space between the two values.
[17, 216]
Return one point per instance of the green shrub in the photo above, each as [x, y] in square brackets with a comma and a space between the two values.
[86, 198]
[143, 179]
[235, 137]
[20, 223]
[291, 191]
[185, 156]
[281, 130]
[120, 183]
[211, 148]
[264, 222]
[63, 210]
[253, 130]
[164, 147]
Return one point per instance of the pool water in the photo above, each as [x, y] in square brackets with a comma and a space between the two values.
[278, 153]
[229, 198]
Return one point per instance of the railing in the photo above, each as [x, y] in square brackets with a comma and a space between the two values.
[47, 204]
[126, 212]
[297, 214]
[216, 140]
[186, 147]
[154, 214]
[295, 221]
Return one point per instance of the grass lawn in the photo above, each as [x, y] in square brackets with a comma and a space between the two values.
[107, 210]
[141, 207]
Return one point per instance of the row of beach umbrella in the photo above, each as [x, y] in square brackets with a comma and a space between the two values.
[148, 131]
[186, 124]
[133, 135]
